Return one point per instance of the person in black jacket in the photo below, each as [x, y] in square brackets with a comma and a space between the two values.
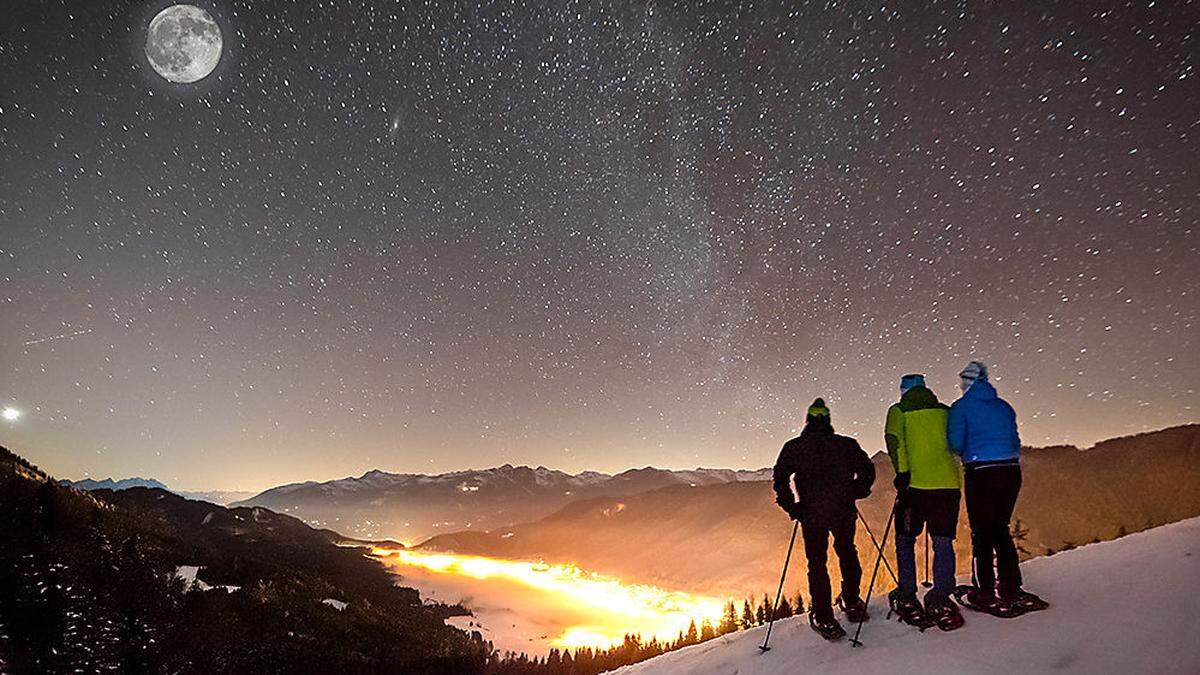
[830, 472]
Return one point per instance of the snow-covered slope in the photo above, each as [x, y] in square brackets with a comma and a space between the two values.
[1124, 606]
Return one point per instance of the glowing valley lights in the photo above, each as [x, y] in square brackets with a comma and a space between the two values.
[626, 608]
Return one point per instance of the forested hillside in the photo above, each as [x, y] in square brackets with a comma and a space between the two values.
[108, 581]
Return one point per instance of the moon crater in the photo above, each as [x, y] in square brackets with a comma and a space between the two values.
[183, 44]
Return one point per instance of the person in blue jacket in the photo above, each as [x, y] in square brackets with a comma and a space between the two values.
[982, 430]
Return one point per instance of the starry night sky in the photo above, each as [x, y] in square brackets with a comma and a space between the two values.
[590, 235]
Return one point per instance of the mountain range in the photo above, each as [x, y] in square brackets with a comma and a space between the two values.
[221, 497]
[732, 538]
[143, 580]
[111, 484]
[412, 507]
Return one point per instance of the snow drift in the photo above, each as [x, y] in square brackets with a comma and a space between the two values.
[1128, 605]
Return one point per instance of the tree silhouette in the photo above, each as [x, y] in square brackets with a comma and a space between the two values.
[764, 611]
[784, 610]
[747, 615]
[729, 620]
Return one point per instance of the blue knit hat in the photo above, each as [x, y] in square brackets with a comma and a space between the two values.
[909, 381]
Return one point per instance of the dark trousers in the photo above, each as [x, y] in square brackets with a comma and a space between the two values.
[991, 495]
[816, 549]
[916, 509]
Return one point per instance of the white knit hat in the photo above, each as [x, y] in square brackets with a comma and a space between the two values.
[975, 370]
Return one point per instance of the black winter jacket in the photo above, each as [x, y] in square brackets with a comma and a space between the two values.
[830, 471]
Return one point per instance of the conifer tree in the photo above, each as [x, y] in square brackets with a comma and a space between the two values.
[764, 611]
[729, 621]
[785, 609]
[747, 614]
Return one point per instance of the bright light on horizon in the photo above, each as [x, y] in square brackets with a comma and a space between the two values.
[10, 414]
[619, 607]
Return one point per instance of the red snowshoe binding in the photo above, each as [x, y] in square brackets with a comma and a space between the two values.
[1024, 601]
[829, 629]
[944, 614]
[979, 600]
[855, 610]
[908, 610]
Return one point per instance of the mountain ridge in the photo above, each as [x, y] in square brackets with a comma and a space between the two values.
[219, 497]
[113, 484]
[413, 507]
[583, 477]
[731, 537]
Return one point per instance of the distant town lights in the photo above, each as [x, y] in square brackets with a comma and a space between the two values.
[10, 414]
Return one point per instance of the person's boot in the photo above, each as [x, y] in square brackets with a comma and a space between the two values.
[943, 612]
[1022, 600]
[908, 609]
[855, 609]
[825, 625]
[982, 600]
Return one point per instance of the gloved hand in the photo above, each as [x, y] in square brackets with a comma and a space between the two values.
[902, 481]
[795, 512]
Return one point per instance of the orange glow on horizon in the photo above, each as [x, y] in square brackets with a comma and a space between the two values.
[620, 608]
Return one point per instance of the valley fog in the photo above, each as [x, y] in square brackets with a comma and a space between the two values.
[531, 607]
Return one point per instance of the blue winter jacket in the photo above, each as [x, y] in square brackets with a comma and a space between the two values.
[982, 427]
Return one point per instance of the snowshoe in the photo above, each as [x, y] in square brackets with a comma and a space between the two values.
[829, 629]
[855, 610]
[1025, 601]
[909, 611]
[945, 615]
[980, 601]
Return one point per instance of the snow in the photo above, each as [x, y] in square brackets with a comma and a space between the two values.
[188, 574]
[703, 476]
[190, 583]
[591, 478]
[1123, 606]
[336, 604]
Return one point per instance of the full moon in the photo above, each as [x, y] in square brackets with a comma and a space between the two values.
[183, 43]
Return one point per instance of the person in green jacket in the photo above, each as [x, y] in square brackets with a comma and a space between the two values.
[928, 479]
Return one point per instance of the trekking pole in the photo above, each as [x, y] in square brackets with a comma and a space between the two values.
[878, 546]
[871, 587]
[926, 583]
[763, 648]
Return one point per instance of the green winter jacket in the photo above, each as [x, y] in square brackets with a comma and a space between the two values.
[915, 435]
